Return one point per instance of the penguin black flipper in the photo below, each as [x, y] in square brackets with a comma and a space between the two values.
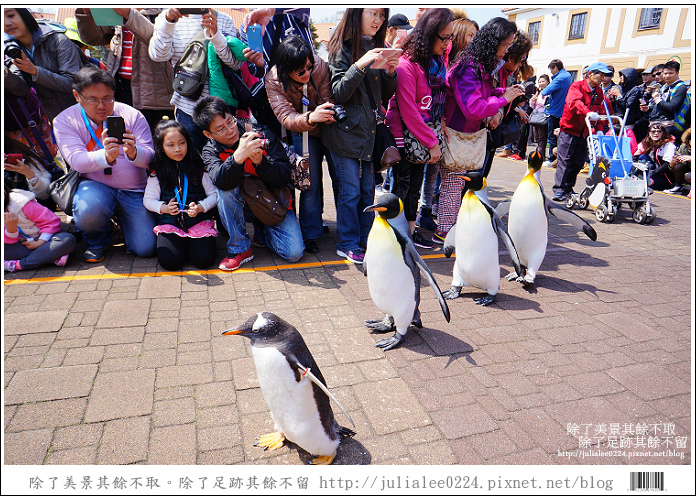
[414, 260]
[501, 231]
[570, 217]
[450, 242]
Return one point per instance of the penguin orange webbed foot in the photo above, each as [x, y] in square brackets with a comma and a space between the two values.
[485, 300]
[452, 293]
[388, 343]
[322, 460]
[270, 441]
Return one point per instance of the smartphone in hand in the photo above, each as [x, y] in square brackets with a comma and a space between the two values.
[187, 11]
[13, 159]
[116, 128]
[254, 33]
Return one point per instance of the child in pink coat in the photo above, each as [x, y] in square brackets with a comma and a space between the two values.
[33, 234]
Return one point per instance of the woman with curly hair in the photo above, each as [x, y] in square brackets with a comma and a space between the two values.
[418, 106]
[472, 99]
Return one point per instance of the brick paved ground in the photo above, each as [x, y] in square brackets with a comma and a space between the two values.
[115, 370]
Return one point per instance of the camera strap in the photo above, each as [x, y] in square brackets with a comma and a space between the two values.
[304, 135]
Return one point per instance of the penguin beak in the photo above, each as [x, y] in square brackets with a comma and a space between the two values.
[231, 332]
[467, 179]
[375, 207]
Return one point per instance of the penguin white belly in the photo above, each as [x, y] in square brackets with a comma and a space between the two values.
[477, 257]
[391, 283]
[291, 403]
[528, 225]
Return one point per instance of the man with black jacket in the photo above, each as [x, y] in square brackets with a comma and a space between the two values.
[229, 156]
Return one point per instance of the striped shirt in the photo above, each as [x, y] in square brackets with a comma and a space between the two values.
[125, 63]
[170, 39]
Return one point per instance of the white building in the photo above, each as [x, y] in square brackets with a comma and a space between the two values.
[623, 37]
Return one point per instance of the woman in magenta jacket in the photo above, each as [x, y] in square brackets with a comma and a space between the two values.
[472, 101]
[420, 96]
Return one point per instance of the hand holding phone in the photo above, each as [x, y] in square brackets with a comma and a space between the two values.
[13, 159]
[254, 33]
[186, 11]
[116, 128]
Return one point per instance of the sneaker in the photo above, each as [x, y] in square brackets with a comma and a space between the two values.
[421, 242]
[61, 262]
[10, 265]
[233, 262]
[354, 256]
[586, 169]
[94, 255]
[517, 157]
[504, 154]
[425, 220]
[673, 190]
[310, 246]
[547, 164]
[558, 197]
[439, 236]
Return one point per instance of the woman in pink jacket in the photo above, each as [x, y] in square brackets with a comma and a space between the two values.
[472, 101]
[420, 96]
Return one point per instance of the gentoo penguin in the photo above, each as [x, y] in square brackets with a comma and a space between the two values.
[528, 221]
[475, 238]
[393, 266]
[293, 387]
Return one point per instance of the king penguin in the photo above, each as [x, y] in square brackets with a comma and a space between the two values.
[393, 266]
[528, 223]
[293, 387]
[475, 238]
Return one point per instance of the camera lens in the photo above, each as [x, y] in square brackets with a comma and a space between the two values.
[12, 50]
[340, 114]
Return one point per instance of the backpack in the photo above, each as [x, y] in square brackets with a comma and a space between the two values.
[192, 70]
[683, 114]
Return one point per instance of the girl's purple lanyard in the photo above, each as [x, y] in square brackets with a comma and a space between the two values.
[183, 200]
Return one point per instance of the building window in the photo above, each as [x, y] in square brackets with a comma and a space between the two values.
[534, 32]
[577, 26]
[650, 18]
[573, 74]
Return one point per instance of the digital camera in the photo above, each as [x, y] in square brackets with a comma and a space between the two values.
[340, 113]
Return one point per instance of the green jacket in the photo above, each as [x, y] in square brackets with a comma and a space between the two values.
[354, 138]
[218, 85]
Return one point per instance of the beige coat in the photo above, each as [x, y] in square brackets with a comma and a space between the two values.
[151, 82]
[287, 105]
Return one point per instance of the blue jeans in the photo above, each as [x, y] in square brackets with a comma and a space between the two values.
[356, 193]
[95, 203]
[284, 239]
[428, 182]
[311, 200]
[194, 131]
[552, 123]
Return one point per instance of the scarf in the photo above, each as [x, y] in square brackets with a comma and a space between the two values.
[436, 79]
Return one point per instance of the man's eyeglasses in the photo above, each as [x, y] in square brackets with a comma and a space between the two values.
[94, 102]
[301, 73]
[658, 73]
[231, 124]
[445, 38]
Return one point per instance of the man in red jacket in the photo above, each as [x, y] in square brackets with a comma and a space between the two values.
[584, 98]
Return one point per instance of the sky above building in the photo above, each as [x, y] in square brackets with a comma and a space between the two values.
[479, 14]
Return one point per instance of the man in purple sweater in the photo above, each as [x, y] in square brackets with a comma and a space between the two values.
[113, 174]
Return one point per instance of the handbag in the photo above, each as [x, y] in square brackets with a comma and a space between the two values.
[270, 206]
[415, 151]
[537, 118]
[385, 153]
[63, 190]
[464, 151]
[191, 72]
[301, 174]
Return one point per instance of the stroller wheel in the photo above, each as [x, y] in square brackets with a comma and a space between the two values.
[601, 213]
[650, 216]
[584, 198]
[571, 201]
[639, 215]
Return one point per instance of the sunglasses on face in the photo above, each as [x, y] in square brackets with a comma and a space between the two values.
[303, 72]
[658, 73]
[657, 129]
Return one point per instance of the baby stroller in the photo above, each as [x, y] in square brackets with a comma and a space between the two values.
[614, 178]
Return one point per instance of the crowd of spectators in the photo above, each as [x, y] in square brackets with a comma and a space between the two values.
[179, 171]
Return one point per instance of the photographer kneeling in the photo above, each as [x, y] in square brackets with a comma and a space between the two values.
[231, 156]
